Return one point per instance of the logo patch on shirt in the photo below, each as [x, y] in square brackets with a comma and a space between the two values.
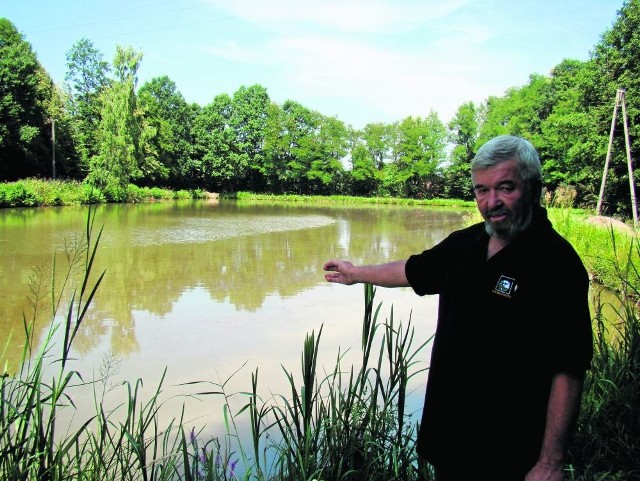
[505, 286]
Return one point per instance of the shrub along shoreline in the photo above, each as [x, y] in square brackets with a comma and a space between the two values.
[344, 425]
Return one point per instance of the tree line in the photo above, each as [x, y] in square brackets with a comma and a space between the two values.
[102, 128]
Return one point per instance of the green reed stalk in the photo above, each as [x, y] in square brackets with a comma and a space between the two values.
[296, 418]
[258, 416]
[351, 423]
[29, 448]
[32, 447]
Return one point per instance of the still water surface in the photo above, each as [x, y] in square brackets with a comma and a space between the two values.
[206, 289]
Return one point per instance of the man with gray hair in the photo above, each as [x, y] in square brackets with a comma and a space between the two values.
[513, 339]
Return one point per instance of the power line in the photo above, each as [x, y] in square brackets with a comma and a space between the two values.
[149, 14]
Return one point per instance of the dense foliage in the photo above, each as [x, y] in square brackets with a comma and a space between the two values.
[109, 132]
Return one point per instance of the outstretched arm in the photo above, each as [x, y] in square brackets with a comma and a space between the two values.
[383, 275]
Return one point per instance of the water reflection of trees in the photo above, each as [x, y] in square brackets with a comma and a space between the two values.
[241, 270]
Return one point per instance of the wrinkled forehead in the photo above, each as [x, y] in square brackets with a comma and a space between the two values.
[506, 171]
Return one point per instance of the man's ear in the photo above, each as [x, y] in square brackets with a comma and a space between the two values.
[536, 190]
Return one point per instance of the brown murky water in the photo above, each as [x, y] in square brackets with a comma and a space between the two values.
[209, 291]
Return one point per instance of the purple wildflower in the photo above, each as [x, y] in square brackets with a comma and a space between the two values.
[232, 468]
[192, 435]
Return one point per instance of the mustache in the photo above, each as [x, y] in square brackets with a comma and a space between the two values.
[500, 211]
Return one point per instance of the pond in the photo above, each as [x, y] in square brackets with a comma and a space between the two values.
[211, 291]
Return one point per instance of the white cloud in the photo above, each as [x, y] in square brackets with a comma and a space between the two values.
[366, 72]
[425, 55]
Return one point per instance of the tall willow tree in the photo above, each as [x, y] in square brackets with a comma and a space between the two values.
[118, 159]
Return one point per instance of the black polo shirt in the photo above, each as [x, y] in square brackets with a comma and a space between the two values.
[505, 326]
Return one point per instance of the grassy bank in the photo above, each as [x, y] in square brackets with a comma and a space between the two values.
[43, 193]
[351, 200]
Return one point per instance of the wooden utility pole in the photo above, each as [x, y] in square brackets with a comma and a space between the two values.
[53, 147]
[620, 101]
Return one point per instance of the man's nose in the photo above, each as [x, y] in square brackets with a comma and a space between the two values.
[493, 199]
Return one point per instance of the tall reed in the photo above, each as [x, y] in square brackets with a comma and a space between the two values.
[125, 443]
[607, 444]
[29, 448]
[351, 423]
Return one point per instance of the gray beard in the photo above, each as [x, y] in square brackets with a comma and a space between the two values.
[510, 230]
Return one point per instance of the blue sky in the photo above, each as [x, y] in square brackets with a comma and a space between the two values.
[360, 60]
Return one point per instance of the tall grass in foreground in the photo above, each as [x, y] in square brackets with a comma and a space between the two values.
[343, 424]
[33, 446]
[348, 424]
[607, 444]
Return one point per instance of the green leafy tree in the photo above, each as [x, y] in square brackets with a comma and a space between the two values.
[519, 112]
[249, 114]
[463, 135]
[119, 160]
[277, 152]
[213, 144]
[85, 80]
[302, 126]
[64, 156]
[168, 121]
[364, 174]
[303, 150]
[298, 130]
[25, 91]
[366, 171]
[419, 155]
[370, 151]
[377, 138]
[616, 64]
[570, 146]
[328, 148]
